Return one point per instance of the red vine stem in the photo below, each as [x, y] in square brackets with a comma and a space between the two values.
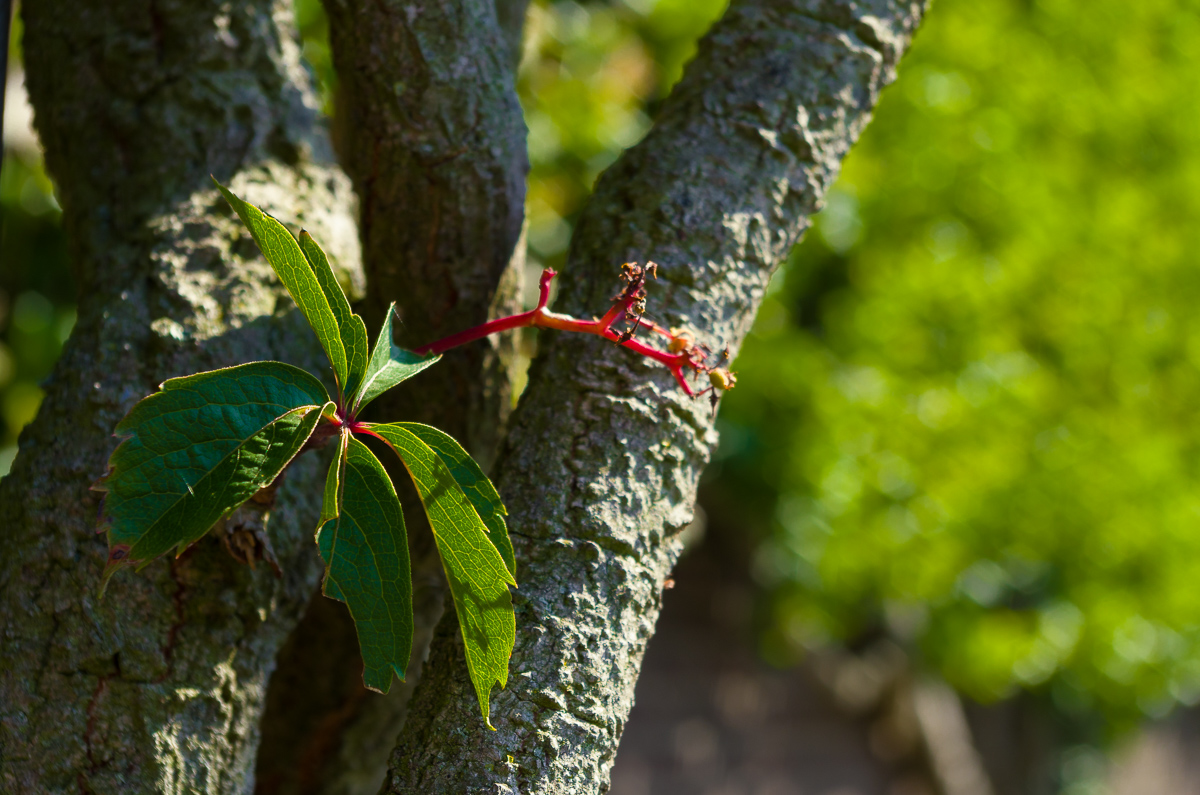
[682, 354]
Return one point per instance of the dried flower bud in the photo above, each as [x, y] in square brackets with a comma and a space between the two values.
[681, 340]
[721, 378]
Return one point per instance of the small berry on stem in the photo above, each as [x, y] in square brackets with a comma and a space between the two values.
[683, 355]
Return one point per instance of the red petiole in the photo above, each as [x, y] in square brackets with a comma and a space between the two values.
[682, 357]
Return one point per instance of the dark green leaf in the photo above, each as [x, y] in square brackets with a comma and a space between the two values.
[331, 501]
[479, 490]
[199, 448]
[367, 567]
[285, 256]
[350, 326]
[478, 578]
[390, 364]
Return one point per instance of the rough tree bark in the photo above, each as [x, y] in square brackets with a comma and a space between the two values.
[717, 194]
[432, 135]
[160, 687]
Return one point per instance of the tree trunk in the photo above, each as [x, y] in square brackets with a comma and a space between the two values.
[432, 135]
[161, 686]
[600, 469]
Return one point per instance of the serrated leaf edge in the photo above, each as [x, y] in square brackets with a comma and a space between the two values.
[501, 680]
[384, 342]
[493, 499]
[113, 566]
[397, 670]
[351, 328]
[339, 378]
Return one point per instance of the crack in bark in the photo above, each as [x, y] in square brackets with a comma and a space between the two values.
[168, 649]
[90, 729]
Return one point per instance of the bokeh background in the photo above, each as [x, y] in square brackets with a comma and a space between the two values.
[966, 417]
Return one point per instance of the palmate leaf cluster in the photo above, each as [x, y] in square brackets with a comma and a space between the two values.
[205, 443]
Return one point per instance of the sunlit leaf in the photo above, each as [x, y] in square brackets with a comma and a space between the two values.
[477, 574]
[350, 326]
[366, 554]
[199, 448]
[390, 364]
[479, 490]
[285, 256]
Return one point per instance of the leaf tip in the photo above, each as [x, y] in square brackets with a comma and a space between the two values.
[377, 681]
[118, 557]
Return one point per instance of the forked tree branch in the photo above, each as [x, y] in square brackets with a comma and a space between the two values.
[601, 467]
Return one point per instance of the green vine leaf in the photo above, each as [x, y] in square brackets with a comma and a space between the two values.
[331, 499]
[390, 364]
[285, 256]
[367, 567]
[350, 326]
[477, 574]
[199, 448]
[479, 490]
[206, 443]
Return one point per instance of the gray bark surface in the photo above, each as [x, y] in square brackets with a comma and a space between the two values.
[160, 686]
[431, 131]
[600, 469]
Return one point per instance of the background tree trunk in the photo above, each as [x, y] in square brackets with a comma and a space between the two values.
[432, 135]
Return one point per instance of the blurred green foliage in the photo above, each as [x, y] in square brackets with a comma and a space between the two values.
[590, 79]
[37, 293]
[971, 403]
[313, 27]
[964, 417]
